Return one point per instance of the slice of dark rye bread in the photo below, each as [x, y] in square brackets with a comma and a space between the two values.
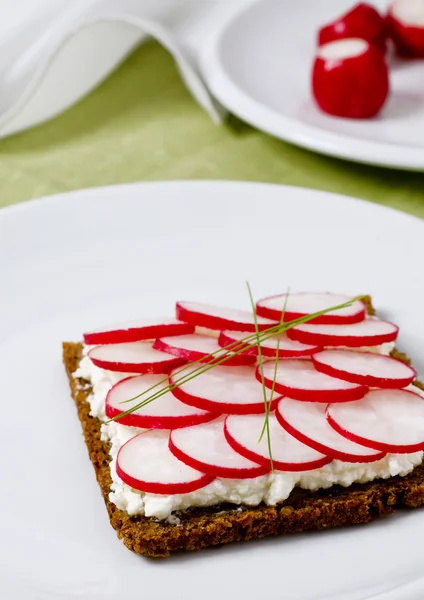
[202, 527]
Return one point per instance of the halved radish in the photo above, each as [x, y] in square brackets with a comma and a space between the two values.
[229, 390]
[146, 464]
[367, 368]
[205, 448]
[196, 347]
[371, 332]
[307, 422]
[362, 21]
[166, 412]
[387, 420]
[135, 331]
[242, 433]
[287, 348]
[406, 27]
[298, 379]
[305, 303]
[350, 79]
[217, 317]
[133, 357]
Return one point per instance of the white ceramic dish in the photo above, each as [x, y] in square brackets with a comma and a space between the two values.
[258, 66]
[76, 261]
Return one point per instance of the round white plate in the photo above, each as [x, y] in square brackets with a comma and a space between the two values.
[258, 66]
[83, 259]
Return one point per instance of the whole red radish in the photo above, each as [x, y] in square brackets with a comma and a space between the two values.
[406, 27]
[350, 79]
[362, 21]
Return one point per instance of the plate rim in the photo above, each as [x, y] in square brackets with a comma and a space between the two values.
[41, 201]
[294, 131]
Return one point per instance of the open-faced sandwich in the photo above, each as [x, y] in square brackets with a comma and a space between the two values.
[223, 425]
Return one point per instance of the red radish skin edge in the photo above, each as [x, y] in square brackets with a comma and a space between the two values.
[367, 380]
[216, 471]
[408, 39]
[400, 449]
[335, 454]
[323, 396]
[270, 313]
[152, 422]
[278, 465]
[222, 407]
[216, 323]
[350, 341]
[149, 332]
[362, 21]
[225, 340]
[157, 368]
[162, 488]
[341, 88]
[195, 356]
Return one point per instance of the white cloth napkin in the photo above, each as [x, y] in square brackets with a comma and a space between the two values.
[52, 52]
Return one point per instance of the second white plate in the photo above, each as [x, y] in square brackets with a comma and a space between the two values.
[258, 65]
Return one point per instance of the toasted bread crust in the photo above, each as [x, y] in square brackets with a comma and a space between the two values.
[202, 527]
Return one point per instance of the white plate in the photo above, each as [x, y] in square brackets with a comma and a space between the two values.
[76, 261]
[258, 65]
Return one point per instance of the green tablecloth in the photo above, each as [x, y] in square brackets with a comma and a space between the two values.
[142, 124]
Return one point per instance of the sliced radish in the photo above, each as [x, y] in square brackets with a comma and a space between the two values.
[307, 422]
[199, 348]
[350, 79]
[298, 379]
[135, 331]
[230, 390]
[146, 464]
[134, 357]
[406, 27]
[305, 303]
[205, 448]
[387, 420]
[217, 317]
[287, 348]
[362, 21]
[288, 454]
[371, 332]
[367, 368]
[166, 412]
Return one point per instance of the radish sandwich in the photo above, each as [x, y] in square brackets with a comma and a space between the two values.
[221, 425]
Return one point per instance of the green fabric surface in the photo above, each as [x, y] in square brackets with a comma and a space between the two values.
[142, 124]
